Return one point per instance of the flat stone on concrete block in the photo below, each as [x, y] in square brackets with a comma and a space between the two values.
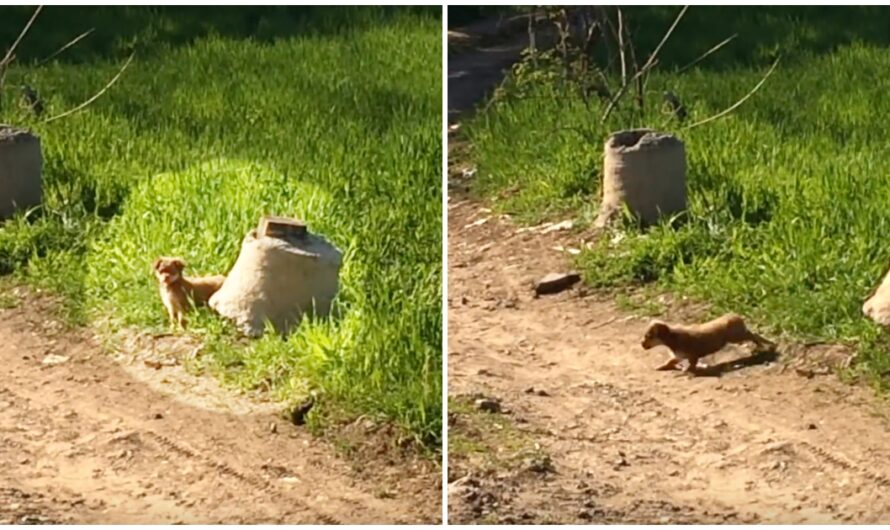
[21, 166]
[556, 282]
[281, 227]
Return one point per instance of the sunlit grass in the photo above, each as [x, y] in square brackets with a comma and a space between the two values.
[337, 123]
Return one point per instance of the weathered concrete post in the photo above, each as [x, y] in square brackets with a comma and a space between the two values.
[282, 273]
[645, 170]
[21, 166]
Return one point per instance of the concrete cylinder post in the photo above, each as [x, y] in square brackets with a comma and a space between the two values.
[282, 273]
[21, 167]
[646, 171]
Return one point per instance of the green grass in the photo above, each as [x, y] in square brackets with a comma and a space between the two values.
[332, 115]
[788, 204]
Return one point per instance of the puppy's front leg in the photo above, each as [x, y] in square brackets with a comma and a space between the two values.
[670, 364]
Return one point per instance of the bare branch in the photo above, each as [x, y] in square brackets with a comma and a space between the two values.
[654, 54]
[707, 53]
[65, 47]
[97, 95]
[649, 64]
[738, 103]
[9, 53]
[621, 46]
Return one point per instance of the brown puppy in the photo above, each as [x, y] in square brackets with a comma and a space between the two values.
[692, 342]
[179, 292]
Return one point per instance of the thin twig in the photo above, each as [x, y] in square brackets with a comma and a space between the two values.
[621, 46]
[11, 50]
[633, 58]
[10, 53]
[650, 63]
[65, 47]
[707, 53]
[97, 95]
[739, 102]
[664, 39]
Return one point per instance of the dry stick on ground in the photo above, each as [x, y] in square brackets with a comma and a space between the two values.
[649, 64]
[97, 95]
[739, 102]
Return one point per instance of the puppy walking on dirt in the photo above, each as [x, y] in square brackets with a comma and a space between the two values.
[692, 342]
[179, 292]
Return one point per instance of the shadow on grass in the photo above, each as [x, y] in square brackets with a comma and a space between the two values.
[118, 29]
[763, 31]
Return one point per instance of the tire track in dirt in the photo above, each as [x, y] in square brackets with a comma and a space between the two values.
[757, 444]
[85, 442]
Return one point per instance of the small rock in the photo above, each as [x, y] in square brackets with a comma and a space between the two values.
[556, 282]
[585, 515]
[812, 426]
[53, 359]
[564, 225]
[273, 427]
[158, 416]
[152, 363]
[488, 405]
[540, 464]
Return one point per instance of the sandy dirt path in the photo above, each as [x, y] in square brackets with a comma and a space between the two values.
[88, 441]
[747, 443]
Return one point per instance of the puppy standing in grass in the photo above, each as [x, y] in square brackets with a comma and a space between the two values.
[179, 292]
[692, 342]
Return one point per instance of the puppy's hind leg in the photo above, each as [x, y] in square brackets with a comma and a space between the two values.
[761, 342]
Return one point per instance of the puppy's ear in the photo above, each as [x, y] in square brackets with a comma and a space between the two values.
[178, 263]
[156, 264]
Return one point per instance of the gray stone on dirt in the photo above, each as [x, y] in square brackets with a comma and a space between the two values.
[540, 464]
[556, 282]
[488, 405]
[53, 359]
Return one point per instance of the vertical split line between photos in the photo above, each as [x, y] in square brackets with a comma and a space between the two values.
[444, 129]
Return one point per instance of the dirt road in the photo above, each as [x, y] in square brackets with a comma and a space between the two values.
[84, 439]
[759, 443]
